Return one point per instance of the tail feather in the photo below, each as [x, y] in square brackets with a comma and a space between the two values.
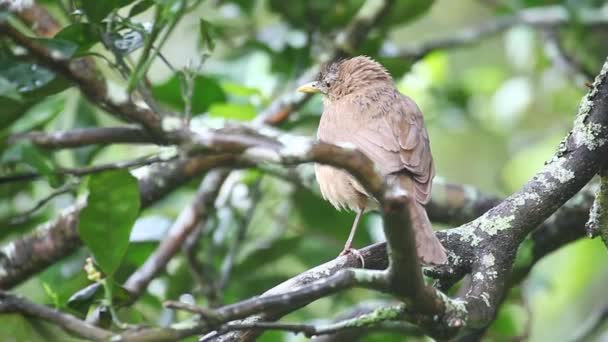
[429, 248]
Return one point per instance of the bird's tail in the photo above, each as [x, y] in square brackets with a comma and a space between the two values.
[429, 249]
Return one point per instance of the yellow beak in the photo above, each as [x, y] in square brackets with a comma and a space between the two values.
[310, 87]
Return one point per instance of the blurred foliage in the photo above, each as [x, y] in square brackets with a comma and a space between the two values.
[495, 112]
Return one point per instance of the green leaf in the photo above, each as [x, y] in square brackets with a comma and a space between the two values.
[9, 90]
[207, 91]
[106, 222]
[62, 279]
[96, 11]
[508, 322]
[269, 254]
[241, 112]
[82, 35]
[85, 116]
[32, 81]
[166, 17]
[319, 215]
[247, 5]
[396, 66]
[405, 11]
[82, 300]
[328, 14]
[237, 89]
[41, 162]
[140, 7]
[26, 76]
[65, 47]
[25, 151]
[39, 115]
[206, 30]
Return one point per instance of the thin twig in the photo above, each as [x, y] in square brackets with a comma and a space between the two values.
[554, 49]
[243, 224]
[58, 238]
[23, 217]
[187, 221]
[12, 303]
[376, 321]
[80, 137]
[209, 316]
[83, 171]
[542, 17]
[200, 270]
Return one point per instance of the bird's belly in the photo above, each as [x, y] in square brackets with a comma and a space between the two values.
[340, 188]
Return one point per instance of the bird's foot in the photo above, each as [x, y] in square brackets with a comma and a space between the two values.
[355, 252]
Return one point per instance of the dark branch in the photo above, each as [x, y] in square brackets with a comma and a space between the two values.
[83, 171]
[11, 303]
[383, 319]
[24, 216]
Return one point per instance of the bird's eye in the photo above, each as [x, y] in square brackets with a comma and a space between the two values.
[327, 84]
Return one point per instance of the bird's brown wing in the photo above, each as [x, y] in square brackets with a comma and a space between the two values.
[393, 135]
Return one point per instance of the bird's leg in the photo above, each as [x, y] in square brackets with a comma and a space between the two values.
[353, 230]
[348, 247]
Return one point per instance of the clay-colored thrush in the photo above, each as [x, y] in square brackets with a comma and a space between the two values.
[363, 107]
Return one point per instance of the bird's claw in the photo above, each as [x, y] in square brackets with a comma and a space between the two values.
[354, 252]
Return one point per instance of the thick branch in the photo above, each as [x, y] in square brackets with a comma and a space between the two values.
[405, 274]
[456, 204]
[497, 234]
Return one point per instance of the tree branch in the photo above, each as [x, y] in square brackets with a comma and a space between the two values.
[24, 216]
[383, 318]
[561, 59]
[80, 137]
[598, 217]
[11, 303]
[83, 171]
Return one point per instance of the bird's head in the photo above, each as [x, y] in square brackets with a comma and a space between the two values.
[346, 76]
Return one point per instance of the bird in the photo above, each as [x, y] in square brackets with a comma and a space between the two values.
[362, 107]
